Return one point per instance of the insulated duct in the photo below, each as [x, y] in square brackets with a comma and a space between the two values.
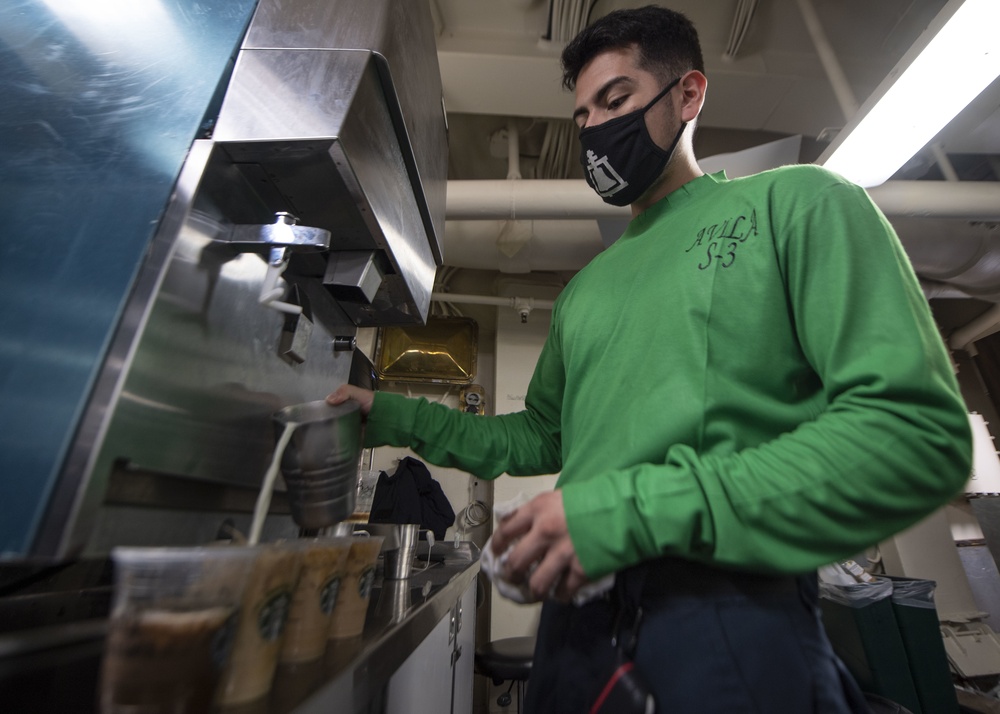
[572, 198]
[549, 245]
[946, 227]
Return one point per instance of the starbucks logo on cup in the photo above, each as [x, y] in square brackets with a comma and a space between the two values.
[365, 582]
[222, 641]
[273, 614]
[328, 595]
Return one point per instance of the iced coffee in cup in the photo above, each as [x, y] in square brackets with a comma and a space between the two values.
[324, 563]
[171, 629]
[263, 615]
[348, 619]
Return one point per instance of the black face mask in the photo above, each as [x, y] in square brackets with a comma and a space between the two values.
[620, 160]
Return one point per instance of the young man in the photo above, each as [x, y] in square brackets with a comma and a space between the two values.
[746, 386]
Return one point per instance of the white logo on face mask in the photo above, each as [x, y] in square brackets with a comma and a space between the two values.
[603, 175]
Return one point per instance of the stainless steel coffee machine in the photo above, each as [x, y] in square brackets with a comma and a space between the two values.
[167, 317]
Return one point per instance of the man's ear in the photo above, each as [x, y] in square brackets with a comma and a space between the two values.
[693, 86]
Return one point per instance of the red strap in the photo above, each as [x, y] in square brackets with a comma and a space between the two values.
[622, 669]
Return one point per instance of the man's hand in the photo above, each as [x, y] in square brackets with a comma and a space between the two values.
[344, 392]
[539, 526]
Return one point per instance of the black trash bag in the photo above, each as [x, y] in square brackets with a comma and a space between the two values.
[411, 495]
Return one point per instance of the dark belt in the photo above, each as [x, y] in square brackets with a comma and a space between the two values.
[667, 577]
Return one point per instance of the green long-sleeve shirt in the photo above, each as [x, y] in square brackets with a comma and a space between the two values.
[749, 376]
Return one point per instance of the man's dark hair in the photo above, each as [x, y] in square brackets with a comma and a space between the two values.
[667, 42]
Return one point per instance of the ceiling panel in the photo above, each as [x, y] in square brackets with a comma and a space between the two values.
[496, 63]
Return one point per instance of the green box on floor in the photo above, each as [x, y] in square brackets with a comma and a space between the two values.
[861, 624]
[920, 630]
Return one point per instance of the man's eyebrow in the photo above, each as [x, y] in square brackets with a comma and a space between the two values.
[604, 90]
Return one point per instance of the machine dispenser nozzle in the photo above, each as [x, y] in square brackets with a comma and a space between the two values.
[284, 235]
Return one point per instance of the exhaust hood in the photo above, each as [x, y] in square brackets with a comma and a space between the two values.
[334, 115]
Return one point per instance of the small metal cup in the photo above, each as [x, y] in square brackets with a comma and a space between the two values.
[320, 464]
[394, 602]
[399, 561]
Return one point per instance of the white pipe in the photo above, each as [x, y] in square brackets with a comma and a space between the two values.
[968, 200]
[841, 87]
[527, 199]
[934, 290]
[514, 302]
[523, 305]
[513, 151]
[741, 25]
[573, 198]
[553, 246]
[943, 162]
[985, 324]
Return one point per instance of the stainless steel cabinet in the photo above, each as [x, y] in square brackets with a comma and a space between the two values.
[437, 677]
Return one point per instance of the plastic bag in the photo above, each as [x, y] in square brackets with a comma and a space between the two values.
[858, 594]
[914, 592]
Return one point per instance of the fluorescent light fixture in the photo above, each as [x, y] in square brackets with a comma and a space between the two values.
[954, 60]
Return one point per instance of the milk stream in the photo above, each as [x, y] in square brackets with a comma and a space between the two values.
[267, 488]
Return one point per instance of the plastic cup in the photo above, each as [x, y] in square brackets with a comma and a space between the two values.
[324, 562]
[348, 618]
[172, 626]
[263, 616]
[367, 481]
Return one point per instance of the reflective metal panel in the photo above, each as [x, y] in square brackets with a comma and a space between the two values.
[163, 359]
[401, 34]
[205, 374]
[99, 110]
[312, 133]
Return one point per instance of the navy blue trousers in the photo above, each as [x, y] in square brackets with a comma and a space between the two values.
[709, 642]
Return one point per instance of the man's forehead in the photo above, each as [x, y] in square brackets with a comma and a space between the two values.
[609, 65]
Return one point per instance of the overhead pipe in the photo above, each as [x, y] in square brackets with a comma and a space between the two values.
[499, 199]
[943, 162]
[523, 305]
[741, 25]
[513, 151]
[468, 299]
[828, 58]
[552, 246]
[934, 290]
[945, 228]
[983, 326]
[573, 198]
[967, 200]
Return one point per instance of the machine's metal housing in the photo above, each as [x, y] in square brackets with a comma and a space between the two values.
[332, 114]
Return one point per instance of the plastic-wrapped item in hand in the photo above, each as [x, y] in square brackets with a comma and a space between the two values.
[493, 565]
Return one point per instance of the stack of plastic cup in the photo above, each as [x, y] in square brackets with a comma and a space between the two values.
[351, 610]
[172, 626]
[324, 566]
[266, 604]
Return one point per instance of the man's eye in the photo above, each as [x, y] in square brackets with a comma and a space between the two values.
[615, 103]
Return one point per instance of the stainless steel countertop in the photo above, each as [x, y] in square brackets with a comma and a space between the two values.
[353, 673]
[401, 614]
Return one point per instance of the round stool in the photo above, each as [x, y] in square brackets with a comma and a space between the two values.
[507, 659]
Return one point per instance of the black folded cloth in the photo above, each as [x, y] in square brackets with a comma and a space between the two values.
[411, 495]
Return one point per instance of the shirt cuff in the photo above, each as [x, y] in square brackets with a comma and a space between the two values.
[390, 421]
